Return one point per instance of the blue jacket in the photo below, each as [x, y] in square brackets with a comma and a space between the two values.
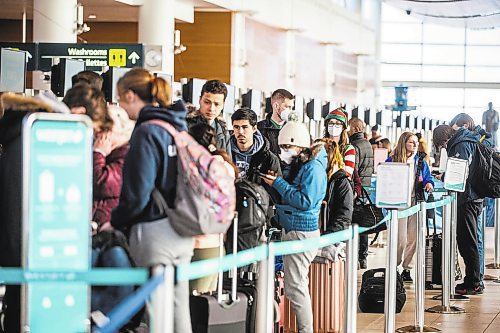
[462, 145]
[151, 163]
[425, 173]
[301, 201]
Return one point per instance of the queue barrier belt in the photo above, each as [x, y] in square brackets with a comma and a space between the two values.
[133, 303]
[198, 269]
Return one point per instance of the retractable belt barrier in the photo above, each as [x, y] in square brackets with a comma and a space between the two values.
[194, 270]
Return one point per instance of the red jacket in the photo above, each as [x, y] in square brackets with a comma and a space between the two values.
[107, 183]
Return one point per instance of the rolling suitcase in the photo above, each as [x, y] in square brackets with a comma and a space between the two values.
[326, 287]
[433, 257]
[221, 313]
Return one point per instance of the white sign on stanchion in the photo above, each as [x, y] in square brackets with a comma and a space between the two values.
[394, 185]
[393, 191]
[457, 171]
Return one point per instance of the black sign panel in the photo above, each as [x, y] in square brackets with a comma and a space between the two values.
[32, 50]
[96, 56]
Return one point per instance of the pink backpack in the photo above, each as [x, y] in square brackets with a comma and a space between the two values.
[205, 197]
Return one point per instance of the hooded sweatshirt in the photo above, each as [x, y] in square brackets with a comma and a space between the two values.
[242, 158]
[150, 163]
[462, 145]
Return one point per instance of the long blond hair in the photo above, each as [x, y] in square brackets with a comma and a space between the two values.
[400, 154]
[335, 157]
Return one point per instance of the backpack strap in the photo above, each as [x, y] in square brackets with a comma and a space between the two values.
[162, 123]
[482, 139]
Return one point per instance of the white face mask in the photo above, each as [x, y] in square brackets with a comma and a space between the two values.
[285, 114]
[335, 130]
[287, 155]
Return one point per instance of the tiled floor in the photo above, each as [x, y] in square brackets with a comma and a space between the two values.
[482, 312]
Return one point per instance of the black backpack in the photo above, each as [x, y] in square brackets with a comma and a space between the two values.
[372, 294]
[252, 205]
[485, 180]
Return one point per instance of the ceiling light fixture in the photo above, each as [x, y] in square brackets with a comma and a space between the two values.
[92, 16]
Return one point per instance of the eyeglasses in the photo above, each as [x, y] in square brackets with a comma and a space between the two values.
[335, 123]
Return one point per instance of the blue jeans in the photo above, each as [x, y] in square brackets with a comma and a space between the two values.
[105, 298]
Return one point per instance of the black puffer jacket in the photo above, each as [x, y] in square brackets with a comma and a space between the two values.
[364, 157]
[340, 199]
[16, 109]
[270, 132]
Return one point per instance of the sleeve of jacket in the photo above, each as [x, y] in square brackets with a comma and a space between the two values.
[227, 138]
[311, 190]
[426, 174]
[107, 177]
[139, 174]
[340, 217]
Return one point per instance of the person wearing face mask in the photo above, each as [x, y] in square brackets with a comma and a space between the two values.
[336, 129]
[302, 189]
[339, 197]
[406, 152]
[282, 102]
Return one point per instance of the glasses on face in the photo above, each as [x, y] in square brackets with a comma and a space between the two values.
[335, 123]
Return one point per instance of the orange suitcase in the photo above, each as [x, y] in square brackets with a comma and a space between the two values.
[327, 290]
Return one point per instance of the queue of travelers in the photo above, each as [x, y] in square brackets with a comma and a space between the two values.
[135, 163]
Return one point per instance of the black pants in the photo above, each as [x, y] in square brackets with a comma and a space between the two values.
[467, 214]
[363, 247]
[12, 299]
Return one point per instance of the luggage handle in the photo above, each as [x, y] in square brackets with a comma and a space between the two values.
[234, 270]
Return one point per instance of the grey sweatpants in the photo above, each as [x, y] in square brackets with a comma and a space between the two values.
[297, 281]
[153, 243]
[407, 241]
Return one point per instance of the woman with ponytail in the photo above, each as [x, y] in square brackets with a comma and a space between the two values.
[151, 168]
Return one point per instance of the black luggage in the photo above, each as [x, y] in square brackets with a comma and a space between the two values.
[434, 257]
[252, 205]
[248, 287]
[372, 294]
[220, 313]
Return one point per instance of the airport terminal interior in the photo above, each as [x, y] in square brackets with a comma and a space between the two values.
[379, 68]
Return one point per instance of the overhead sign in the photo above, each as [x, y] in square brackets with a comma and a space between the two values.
[57, 206]
[96, 56]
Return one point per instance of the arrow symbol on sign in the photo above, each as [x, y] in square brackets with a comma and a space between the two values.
[133, 57]
[29, 56]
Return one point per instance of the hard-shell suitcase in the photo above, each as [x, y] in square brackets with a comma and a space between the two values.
[326, 287]
[433, 259]
[220, 313]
